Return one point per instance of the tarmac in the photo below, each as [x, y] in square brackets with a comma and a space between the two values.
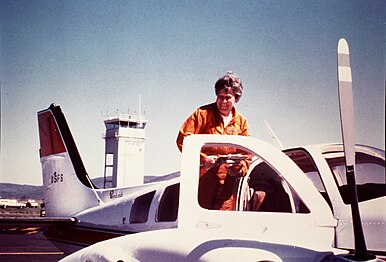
[23, 241]
[26, 244]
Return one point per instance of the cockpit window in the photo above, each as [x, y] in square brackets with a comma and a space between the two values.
[168, 206]
[272, 192]
[140, 209]
[221, 168]
[305, 162]
[369, 175]
[234, 178]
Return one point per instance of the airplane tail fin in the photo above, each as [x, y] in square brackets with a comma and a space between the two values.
[67, 186]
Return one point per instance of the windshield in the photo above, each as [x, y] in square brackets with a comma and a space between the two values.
[369, 175]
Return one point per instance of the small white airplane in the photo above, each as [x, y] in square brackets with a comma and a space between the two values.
[299, 204]
[97, 214]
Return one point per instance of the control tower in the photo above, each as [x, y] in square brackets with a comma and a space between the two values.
[124, 151]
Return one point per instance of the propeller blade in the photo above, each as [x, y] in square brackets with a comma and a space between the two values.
[346, 106]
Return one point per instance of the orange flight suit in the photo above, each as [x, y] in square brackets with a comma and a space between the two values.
[215, 187]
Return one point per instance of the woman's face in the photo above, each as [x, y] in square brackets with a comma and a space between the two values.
[225, 102]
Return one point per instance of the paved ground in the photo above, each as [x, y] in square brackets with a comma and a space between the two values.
[26, 244]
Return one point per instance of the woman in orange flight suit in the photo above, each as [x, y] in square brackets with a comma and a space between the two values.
[220, 117]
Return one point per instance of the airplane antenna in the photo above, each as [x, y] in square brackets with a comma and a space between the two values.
[346, 106]
[273, 135]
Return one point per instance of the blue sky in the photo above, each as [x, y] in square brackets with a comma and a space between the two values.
[99, 56]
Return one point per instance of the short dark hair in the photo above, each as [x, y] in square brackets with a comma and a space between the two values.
[229, 82]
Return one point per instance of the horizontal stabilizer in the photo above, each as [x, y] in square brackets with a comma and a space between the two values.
[41, 222]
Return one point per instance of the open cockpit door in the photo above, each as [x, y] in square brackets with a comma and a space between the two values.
[241, 180]
[250, 183]
[263, 189]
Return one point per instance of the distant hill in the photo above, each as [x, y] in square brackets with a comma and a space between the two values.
[20, 191]
[17, 191]
[150, 179]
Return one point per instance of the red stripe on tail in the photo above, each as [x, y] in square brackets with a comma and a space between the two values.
[50, 139]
